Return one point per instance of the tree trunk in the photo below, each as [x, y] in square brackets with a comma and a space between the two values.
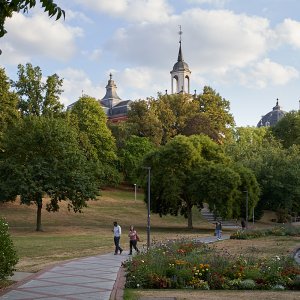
[190, 217]
[39, 203]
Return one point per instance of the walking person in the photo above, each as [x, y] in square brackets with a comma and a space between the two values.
[218, 230]
[133, 239]
[243, 223]
[117, 235]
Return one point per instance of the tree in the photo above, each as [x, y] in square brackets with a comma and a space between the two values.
[169, 115]
[41, 157]
[36, 97]
[8, 103]
[8, 7]
[217, 110]
[131, 156]
[96, 139]
[287, 130]
[144, 120]
[276, 169]
[179, 172]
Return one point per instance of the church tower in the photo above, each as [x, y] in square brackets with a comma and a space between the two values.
[180, 75]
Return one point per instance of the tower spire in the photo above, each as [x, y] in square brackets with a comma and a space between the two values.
[180, 57]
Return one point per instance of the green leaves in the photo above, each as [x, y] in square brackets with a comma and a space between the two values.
[7, 7]
[42, 157]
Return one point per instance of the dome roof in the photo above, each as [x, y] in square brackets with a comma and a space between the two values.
[271, 118]
[180, 65]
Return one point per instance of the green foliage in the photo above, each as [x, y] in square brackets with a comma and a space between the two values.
[287, 130]
[131, 156]
[8, 255]
[41, 157]
[8, 7]
[8, 103]
[216, 109]
[163, 118]
[185, 264]
[36, 97]
[276, 169]
[96, 140]
[193, 170]
[280, 230]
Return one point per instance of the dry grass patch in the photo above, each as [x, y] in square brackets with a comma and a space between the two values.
[261, 247]
[216, 295]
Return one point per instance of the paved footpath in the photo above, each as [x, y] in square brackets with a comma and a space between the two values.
[91, 278]
[88, 278]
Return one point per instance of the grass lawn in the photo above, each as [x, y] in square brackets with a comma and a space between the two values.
[68, 235]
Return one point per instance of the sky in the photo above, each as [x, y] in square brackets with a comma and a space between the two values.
[247, 51]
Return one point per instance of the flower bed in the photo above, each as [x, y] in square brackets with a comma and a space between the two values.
[181, 264]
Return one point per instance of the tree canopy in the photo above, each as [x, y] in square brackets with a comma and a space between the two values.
[8, 103]
[41, 157]
[190, 171]
[38, 97]
[95, 138]
[169, 115]
[276, 168]
[287, 130]
[131, 156]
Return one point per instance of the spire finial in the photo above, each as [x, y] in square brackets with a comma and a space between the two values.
[180, 33]
[277, 102]
[110, 76]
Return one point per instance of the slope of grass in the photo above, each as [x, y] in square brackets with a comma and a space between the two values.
[68, 235]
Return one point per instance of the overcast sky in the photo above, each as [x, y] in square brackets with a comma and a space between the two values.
[248, 51]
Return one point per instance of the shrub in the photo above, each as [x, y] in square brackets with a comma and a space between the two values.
[280, 230]
[8, 255]
[247, 284]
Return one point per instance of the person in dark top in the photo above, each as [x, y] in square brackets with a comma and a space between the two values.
[218, 230]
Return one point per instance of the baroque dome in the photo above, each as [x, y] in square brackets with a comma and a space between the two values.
[272, 117]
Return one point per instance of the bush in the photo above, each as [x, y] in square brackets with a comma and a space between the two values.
[280, 230]
[8, 255]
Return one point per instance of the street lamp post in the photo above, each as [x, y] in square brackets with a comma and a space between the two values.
[246, 208]
[135, 192]
[148, 220]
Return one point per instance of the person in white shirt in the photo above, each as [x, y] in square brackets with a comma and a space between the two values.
[117, 235]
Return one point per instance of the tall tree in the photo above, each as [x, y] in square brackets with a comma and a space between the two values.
[8, 7]
[176, 170]
[96, 139]
[8, 103]
[276, 169]
[41, 157]
[36, 97]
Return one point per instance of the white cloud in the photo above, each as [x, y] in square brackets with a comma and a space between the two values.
[212, 40]
[218, 3]
[93, 55]
[38, 35]
[75, 83]
[265, 73]
[132, 10]
[289, 32]
[77, 15]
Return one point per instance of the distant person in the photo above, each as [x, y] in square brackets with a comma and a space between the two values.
[117, 235]
[218, 230]
[133, 239]
[243, 223]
